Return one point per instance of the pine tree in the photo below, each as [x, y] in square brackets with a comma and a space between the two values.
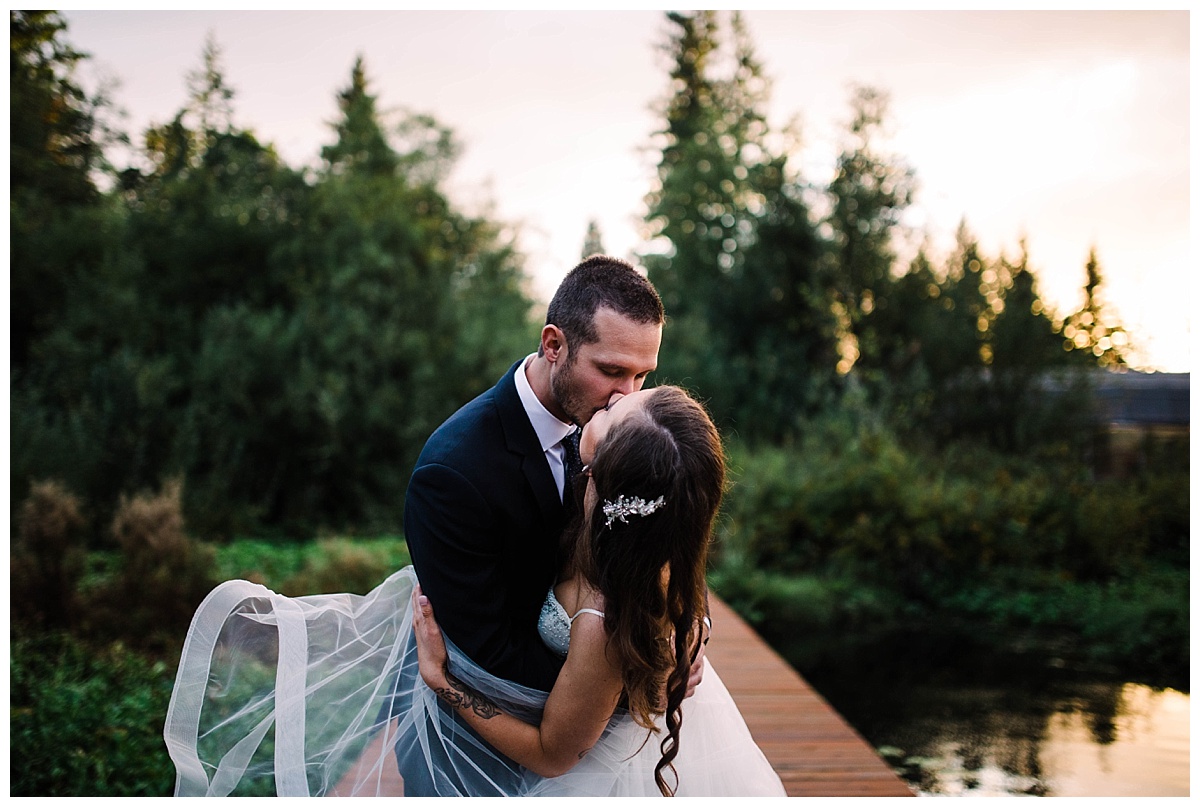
[593, 244]
[55, 147]
[53, 130]
[869, 192]
[361, 143]
[1091, 332]
[211, 98]
[740, 271]
[1024, 355]
[691, 170]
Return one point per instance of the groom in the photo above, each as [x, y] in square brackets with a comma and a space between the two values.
[485, 505]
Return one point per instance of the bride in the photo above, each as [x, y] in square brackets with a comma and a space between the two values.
[298, 696]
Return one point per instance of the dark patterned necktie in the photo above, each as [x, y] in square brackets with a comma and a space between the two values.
[572, 465]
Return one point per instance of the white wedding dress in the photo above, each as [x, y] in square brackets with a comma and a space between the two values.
[316, 695]
[717, 756]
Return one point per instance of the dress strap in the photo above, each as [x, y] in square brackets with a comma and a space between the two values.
[587, 611]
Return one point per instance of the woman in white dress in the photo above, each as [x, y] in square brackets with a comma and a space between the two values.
[631, 599]
[299, 696]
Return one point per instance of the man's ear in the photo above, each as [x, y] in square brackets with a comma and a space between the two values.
[554, 343]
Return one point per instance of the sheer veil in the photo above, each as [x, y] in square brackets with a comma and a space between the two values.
[320, 696]
[312, 696]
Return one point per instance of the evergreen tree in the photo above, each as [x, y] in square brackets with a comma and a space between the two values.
[361, 144]
[739, 268]
[52, 127]
[778, 322]
[1091, 332]
[951, 329]
[964, 333]
[869, 193]
[1021, 334]
[55, 146]
[1031, 404]
[593, 244]
[691, 171]
[211, 97]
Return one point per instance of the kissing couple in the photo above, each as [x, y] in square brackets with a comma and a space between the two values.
[548, 638]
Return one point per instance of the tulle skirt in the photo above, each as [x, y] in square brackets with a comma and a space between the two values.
[320, 695]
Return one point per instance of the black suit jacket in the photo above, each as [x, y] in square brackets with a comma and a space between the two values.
[482, 519]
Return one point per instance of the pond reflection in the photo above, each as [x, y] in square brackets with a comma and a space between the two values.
[1148, 754]
[1106, 740]
[955, 718]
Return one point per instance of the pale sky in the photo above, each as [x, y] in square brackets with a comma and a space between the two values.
[1067, 128]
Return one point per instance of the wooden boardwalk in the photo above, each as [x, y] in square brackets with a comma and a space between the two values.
[814, 751]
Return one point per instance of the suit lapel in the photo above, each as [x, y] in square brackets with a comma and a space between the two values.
[521, 439]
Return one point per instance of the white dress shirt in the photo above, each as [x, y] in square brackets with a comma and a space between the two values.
[550, 430]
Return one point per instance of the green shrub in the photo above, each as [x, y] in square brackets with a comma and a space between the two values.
[853, 521]
[1139, 624]
[1166, 506]
[803, 604]
[86, 721]
[854, 500]
[163, 574]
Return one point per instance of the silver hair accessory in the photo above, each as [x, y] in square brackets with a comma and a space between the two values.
[629, 506]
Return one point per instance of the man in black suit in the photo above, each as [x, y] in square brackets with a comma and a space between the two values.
[485, 505]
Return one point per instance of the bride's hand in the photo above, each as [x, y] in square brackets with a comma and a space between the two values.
[431, 647]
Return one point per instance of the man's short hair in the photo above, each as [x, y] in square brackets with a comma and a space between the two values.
[602, 280]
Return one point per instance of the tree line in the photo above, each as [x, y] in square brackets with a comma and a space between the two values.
[785, 293]
[281, 340]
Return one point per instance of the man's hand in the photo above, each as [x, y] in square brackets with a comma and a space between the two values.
[697, 670]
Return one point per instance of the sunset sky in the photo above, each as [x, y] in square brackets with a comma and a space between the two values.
[1070, 128]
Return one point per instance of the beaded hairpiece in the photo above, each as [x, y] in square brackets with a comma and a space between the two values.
[629, 506]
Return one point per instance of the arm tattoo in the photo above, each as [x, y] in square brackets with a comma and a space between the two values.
[461, 696]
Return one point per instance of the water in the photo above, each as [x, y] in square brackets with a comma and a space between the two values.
[957, 718]
[1086, 740]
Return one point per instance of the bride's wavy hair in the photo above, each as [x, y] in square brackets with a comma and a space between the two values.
[670, 448]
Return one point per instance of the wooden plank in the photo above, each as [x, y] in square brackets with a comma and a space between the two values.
[812, 748]
[377, 757]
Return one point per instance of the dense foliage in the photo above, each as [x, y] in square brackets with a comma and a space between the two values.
[283, 340]
[85, 721]
[867, 536]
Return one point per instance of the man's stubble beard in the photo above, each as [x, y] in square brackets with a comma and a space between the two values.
[562, 387]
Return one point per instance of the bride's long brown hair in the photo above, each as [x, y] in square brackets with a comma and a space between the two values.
[670, 448]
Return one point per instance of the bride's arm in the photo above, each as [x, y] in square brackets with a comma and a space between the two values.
[577, 710]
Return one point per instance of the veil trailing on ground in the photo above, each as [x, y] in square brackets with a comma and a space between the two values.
[311, 696]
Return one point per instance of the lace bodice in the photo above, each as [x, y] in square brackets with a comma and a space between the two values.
[554, 626]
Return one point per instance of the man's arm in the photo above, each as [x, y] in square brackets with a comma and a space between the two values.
[451, 534]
